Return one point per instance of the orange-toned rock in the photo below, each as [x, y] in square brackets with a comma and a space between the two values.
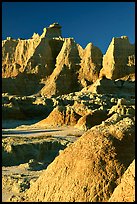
[125, 191]
[60, 116]
[87, 170]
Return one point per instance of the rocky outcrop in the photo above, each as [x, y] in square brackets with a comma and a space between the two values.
[89, 169]
[60, 116]
[51, 65]
[81, 108]
[42, 63]
[92, 119]
[122, 109]
[75, 68]
[64, 78]
[35, 54]
[119, 59]
[22, 85]
[54, 78]
[33, 58]
[18, 150]
[105, 85]
[15, 55]
[17, 107]
[91, 65]
[125, 191]
[30, 79]
[53, 31]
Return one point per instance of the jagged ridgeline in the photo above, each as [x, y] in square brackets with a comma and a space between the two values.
[59, 83]
[49, 64]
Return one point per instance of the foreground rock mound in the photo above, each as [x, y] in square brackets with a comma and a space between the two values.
[89, 169]
[125, 191]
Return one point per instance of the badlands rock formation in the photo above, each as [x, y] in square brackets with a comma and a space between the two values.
[124, 192]
[119, 59]
[26, 62]
[64, 77]
[60, 65]
[89, 169]
[61, 115]
[89, 120]
[91, 64]
[104, 85]
[36, 55]
[62, 85]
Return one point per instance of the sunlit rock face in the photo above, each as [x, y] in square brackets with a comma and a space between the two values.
[36, 55]
[64, 78]
[26, 62]
[119, 59]
[16, 54]
[49, 64]
[91, 64]
[125, 191]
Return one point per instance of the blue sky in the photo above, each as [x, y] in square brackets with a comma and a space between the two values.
[95, 22]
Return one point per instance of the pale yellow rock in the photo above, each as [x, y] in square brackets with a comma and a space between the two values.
[119, 59]
[48, 64]
[33, 54]
[60, 116]
[15, 55]
[91, 64]
[64, 79]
